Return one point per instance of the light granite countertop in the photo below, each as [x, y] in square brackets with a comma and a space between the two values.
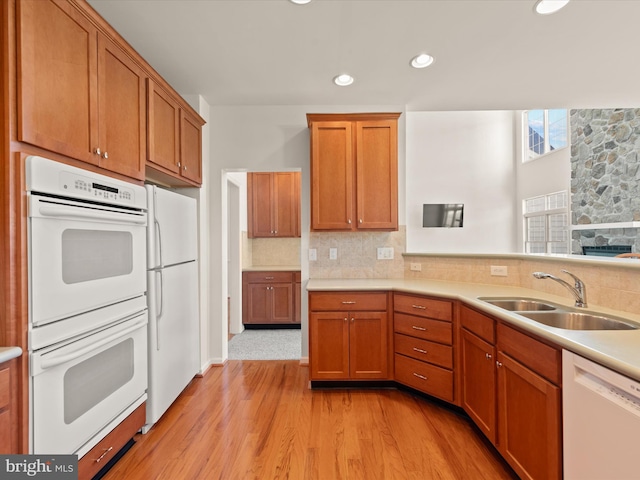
[616, 349]
[9, 353]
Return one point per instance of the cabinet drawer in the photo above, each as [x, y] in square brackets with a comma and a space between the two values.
[483, 326]
[424, 350]
[350, 301]
[5, 387]
[539, 357]
[109, 446]
[425, 377]
[424, 328]
[423, 307]
[267, 277]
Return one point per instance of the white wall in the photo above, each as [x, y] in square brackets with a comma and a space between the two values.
[462, 157]
[264, 139]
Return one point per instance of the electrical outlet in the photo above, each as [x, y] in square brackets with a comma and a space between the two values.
[333, 253]
[415, 267]
[313, 254]
[498, 271]
[385, 253]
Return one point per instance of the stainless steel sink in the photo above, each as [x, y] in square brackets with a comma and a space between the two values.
[519, 304]
[579, 320]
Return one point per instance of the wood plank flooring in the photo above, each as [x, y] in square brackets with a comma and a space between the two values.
[259, 420]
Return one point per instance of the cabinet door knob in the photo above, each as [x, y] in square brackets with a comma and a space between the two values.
[498, 364]
[184, 168]
[349, 221]
[179, 164]
[353, 319]
[105, 155]
[97, 151]
[360, 220]
[488, 356]
[345, 319]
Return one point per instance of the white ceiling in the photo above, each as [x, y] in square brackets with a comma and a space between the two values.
[490, 54]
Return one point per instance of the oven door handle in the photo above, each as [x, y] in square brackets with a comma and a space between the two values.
[89, 214]
[55, 360]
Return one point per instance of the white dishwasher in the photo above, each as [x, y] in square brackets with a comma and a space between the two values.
[601, 421]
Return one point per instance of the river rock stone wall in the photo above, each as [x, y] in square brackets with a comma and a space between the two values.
[605, 174]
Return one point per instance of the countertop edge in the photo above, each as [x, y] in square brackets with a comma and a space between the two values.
[9, 353]
[618, 350]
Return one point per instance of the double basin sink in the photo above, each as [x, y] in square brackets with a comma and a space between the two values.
[559, 316]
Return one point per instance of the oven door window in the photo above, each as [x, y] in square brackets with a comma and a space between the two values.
[80, 266]
[94, 254]
[90, 382]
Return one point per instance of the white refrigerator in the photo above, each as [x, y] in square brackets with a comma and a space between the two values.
[172, 289]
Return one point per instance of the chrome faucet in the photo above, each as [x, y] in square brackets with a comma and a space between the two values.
[579, 291]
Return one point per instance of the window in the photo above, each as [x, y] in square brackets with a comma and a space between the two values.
[544, 132]
[546, 223]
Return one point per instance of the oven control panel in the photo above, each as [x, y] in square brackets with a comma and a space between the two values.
[54, 178]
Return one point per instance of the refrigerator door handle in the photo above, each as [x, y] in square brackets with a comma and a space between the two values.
[156, 224]
[160, 310]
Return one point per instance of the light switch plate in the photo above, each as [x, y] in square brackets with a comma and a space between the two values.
[333, 253]
[415, 267]
[313, 254]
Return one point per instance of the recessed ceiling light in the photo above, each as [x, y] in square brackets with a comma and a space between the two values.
[300, 2]
[343, 80]
[547, 7]
[422, 60]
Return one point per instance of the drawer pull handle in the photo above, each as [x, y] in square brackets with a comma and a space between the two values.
[269, 278]
[104, 454]
[422, 377]
[419, 350]
[419, 307]
[422, 329]
[488, 356]
[349, 302]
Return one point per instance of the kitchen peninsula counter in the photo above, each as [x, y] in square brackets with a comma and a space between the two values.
[616, 349]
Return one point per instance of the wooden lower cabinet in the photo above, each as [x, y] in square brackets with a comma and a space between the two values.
[352, 343]
[96, 458]
[269, 298]
[6, 424]
[479, 382]
[511, 390]
[423, 344]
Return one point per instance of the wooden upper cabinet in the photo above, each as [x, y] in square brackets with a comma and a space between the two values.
[79, 94]
[57, 78]
[273, 201]
[354, 171]
[191, 147]
[122, 112]
[163, 130]
[174, 140]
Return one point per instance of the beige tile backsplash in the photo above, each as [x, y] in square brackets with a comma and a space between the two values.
[275, 251]
[357, 254]
[612, 287]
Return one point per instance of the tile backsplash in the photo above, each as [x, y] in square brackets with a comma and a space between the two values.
[356, 254]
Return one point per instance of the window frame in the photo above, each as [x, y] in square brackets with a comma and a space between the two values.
[547, 213]
[526, 151]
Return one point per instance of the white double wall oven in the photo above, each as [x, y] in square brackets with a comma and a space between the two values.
[87, 304]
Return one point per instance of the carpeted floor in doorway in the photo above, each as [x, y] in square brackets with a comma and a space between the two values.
[282, 344]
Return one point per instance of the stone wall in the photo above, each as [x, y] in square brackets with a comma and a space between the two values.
[605, 173]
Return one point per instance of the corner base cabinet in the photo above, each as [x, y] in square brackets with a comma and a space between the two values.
[511, 390]
[349, 336]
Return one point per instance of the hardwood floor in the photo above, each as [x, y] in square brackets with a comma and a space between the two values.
[259, 420]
